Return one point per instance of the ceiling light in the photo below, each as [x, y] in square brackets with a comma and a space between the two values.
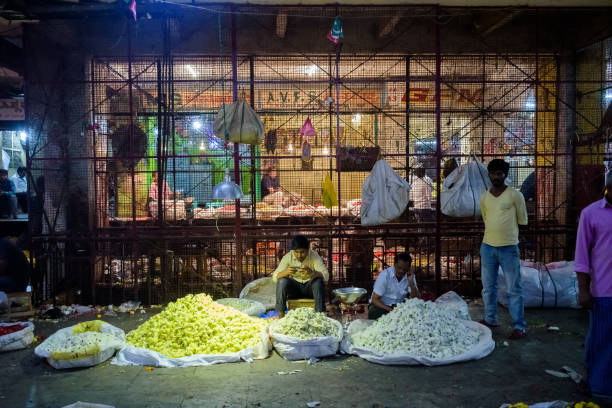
[197, 125]
[191, 71]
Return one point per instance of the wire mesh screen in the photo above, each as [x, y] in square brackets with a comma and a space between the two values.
[143, 144]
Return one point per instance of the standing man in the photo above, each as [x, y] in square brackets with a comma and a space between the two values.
[503, 210]
[594, 271]
[421, 194]
[21, 188]
[301, 273]
[393, 286]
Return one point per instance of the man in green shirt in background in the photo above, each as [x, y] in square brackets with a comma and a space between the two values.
[503, 210]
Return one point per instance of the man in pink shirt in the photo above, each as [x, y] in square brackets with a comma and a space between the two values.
[594, 271]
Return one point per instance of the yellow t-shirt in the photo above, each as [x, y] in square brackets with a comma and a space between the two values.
[502, 215]
[312, 260]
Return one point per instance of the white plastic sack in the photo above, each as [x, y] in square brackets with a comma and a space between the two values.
[240, 122]
[453, 302]
[483, 348]
[384, 195]
[107, 349]
[254, 308]
[19, 339]
[551, 285]
[469, 182]
[131, 355]
[81, 404]
[291, 348]
[262, 290]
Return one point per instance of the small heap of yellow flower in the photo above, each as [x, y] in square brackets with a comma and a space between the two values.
[195, 324]
[583, 404]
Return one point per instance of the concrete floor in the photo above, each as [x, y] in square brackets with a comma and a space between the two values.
[510, 374]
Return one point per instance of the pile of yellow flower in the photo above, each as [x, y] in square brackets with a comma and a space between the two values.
[195, 324]
[583, 404]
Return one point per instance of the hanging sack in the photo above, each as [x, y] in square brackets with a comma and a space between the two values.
[384, 195]
[328, 193]
[240, 123]
[462, 189]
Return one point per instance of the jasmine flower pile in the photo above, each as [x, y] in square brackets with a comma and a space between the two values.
[195, 324]
[304, 323]
[418, 328]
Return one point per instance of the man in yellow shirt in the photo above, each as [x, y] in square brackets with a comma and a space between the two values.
[503, 210]
[301, 273]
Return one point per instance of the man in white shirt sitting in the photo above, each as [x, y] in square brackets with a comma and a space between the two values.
[21, 188]
[393, 286]
[300, 274]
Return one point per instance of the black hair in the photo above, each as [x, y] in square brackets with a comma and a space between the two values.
[499, 164]
[300, 242]
[403, 256]
[3, 171]
[20, 168]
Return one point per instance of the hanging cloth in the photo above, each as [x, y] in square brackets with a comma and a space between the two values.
[306, 156]
[328, 193]
[270, 141]
[238, 123]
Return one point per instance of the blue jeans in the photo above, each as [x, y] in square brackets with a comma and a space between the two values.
[491, 258]
[598, 353]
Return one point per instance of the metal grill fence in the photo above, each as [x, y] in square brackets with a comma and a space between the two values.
[128, 236]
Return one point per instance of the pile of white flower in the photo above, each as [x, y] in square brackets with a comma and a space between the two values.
[418, 328]
[304, 323]
[79, 345]
[236, 303]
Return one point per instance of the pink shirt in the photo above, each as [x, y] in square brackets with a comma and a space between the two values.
[594, 247]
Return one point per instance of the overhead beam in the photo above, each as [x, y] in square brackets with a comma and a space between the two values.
[390, 25]
[281, 23]
[494, 21]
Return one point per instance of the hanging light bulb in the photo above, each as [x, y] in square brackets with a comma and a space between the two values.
[202, 146]
[290, 147]
[325, 151]
[227, 189]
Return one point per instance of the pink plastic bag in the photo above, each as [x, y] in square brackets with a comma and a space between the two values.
[307, 128]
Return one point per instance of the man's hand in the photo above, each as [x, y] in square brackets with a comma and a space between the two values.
[585, 299]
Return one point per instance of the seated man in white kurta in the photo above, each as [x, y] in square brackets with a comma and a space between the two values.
[393, 286]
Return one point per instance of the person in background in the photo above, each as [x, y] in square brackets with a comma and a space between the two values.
[593, 265]
[448, 167]
[421, 194]
[270, 183]
[503, 210]
[528, 188]
[8, 200]
[14, 268]
[21, 188]
[167, 193]
[301, 273]
[392, 286]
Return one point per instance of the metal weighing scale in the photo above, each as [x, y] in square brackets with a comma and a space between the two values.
[348, 297]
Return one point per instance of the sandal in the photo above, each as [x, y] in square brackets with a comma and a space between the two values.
[517, 334]
[489, 325]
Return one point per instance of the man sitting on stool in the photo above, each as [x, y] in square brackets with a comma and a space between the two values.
[301, 273]
[392, 286]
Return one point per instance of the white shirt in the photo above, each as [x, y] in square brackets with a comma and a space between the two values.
[421, 193]
[21, 184]
[312, 261]
[390, 290]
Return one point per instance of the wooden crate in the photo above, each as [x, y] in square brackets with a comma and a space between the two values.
[20, 305]
[297, 303]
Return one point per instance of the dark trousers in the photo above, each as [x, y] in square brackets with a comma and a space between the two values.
[8, 205]
[22, 200]
[289, 288]
[374, 312]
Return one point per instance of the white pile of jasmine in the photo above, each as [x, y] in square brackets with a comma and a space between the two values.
[418, 328]
[304, 323]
